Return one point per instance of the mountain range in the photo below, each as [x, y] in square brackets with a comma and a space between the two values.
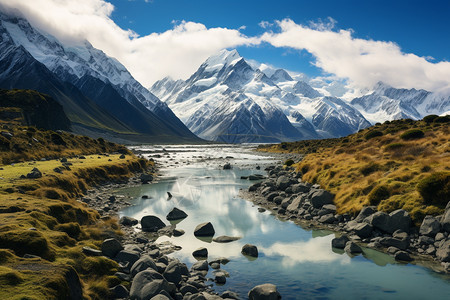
[228, 99]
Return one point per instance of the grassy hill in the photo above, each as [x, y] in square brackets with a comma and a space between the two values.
[41, 216]
[398, 164]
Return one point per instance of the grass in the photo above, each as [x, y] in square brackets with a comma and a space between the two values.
[42, 217]
[393, 165]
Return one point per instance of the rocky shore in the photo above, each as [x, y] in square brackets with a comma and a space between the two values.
[285, 194]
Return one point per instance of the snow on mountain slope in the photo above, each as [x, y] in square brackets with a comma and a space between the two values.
[227, 99]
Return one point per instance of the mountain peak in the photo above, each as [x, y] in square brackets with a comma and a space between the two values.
[281, 75]
[224, 57]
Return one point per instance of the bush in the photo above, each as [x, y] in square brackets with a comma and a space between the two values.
[412, 134]
[378, 194]
[435, 189]
[370, 168]
[444, 119]
[430, 118]
[72, 229]
[373, 133]
[289, 162]
[394, 146]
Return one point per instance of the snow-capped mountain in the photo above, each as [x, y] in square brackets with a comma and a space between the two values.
[388, 103]
[99, 77]
[227, 99]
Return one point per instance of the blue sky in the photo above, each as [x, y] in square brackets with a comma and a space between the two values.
[419, 27]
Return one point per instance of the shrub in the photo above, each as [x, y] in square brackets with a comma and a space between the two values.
[430, 118]
[289, 162]
[444, 119]
[372, 134]
[72, 229]
[412, 134]
[370, 168]
[394, 146]
[378, 194]
[435, 189]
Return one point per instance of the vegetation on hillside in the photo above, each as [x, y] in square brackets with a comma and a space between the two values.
[399, 164]
[42, 217]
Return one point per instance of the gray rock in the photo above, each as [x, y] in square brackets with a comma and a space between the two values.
[128, 221]
[226, 239]
[250, 250]
[91, 252]
[402, 256]
[176, 214]
[200, 252]
[187, 288]
[151, 223]
[110, 247]
[229, 295]
[201, 266]
[321, 197]
[352, 248]
[327, 219]
[363, 230]
[35, 173]
[271, 196]
[143, 263]
[147, 284]
[283, 182]
[178, 232]
[329, 208]
[160, 297]
[146, 178]
[295, 204]
[278, 199]
[445, 222]
[204, 229]
[264, 292]
[425, 240]
[220, 278]
[393, 242]
[174, 271]
[285, 203]
[379, 220]
[443, 252]
[119, 292]
[129, 256]
[439, 237]
[300, 188]
[365, 212]
[430, 226]
[339, 242]
[227, 166]
[399, 219]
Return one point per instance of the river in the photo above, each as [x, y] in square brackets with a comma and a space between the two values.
[299, 261]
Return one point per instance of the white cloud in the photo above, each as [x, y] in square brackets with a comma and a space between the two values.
[362, 62]
[177, 52]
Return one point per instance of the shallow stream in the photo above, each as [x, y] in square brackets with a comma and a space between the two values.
[300, 262]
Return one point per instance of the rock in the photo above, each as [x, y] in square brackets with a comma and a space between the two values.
[439, 237]
[146, 178]
[398, 243]
[200, 252]
[400, 234]
[35, 173]
[129, 256]
[430, 226]
[261, 209]
[151, 223]
[122, 156]
[329, 208]
[399, 219]
[187, 288]
[176, 214]
[328, 219]
[250, 250]
[300, 188]
[230, 295]
[443, 252]
[255, 177]
[379, 220]
[227, 166]
[254, 187]
[339, 242]
[160, 297]
[445, 222]
[119, 292]
[147, 284]
[178, 232]
[128, 221]
[226, 239]
[220, 278]
[91, 252]
[174, 271]
[295, 204]
[271, 196]
[365, 212]
[352, 248]
[320, 198]
[363, 230]
[264, 292]
[215, 266]
[169, 195]
[110, 247]
[143, 263]
[402, 256]
[425, 240]
[201, 266]
[283, 182]
[204, 229]
[278, 199]
[63, 160]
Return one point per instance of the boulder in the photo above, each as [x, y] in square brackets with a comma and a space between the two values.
[365, 212]
[300, 188]
[119, 292]
[285, 203]
[399, 219]
[35, 173]
[204, 229]
[250, 250]
[146, 178]
[230, 295]
[187, 288]
[110, 247]
[339, 242]
[174, 271]
[402, 256]
[220, 278]
[402, 244]
[443, 252]
[200, 252]
[430, 226]
[283, 182]
[176, 214]
[160, 297]
[379, 220]
[227, 166]
[327, 219]
[91, 252]
[201, 266]
[143, 263]
[445, 222]
[363, 230]
[295, 204]
[271, 196]
[128, 221]
[226, 239]
[178, 232]
[147, 284]
[151, 223]
[352, 248]
[321, 197]
[129, 256]
[265, 291]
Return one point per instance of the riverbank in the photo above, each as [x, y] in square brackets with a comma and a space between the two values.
[285, 194]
